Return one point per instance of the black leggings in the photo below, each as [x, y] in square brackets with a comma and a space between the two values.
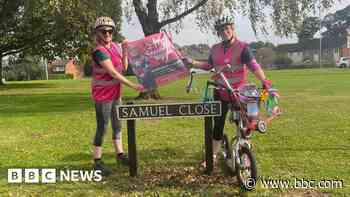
[219, 121]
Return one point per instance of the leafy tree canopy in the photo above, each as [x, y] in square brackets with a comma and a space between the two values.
[337, 23]
[309, 28]
[51, 27]
[287, 16]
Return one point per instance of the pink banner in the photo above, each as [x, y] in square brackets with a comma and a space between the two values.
[155, 61]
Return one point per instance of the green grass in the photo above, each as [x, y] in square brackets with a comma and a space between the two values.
[50, 124]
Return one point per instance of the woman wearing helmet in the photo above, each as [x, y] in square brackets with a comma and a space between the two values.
[236, 53]
[107, 80]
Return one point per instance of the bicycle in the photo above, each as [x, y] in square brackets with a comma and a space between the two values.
[244, 103]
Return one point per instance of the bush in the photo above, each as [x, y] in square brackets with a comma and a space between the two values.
[283, 61]
[60, 76]
[88, 70]
[87, 67]
[24, 67]
[69, 76]
[10, 75]
[23, 71]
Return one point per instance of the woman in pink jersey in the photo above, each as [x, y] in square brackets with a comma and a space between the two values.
[236, 53]
[109, 61]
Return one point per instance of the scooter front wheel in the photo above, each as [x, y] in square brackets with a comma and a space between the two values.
[226, 147]
[246, 168]
[228, 157]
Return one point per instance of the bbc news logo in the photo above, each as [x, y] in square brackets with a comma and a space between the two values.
[50, 175]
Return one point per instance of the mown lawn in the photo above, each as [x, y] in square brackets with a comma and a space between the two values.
[50, 124]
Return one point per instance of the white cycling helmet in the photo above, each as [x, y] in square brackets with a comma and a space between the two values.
[221, 22]
[104, 21]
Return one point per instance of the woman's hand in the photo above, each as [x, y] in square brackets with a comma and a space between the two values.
[266, 84]
[188, 62]
[139, 87]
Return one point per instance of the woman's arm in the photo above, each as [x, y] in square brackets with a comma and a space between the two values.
[248, 58]
[125, 54]
[204, 65]
[260, 75]
[108, 65]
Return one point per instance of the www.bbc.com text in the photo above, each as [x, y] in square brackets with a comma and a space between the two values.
[296, 183]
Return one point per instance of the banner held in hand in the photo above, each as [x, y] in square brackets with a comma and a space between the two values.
[155, 61]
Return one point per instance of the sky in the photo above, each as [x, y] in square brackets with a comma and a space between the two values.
[190, 34]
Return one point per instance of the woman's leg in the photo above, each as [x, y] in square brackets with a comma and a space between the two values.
[116, 126]
[219, 122]
[218, 130]
[103, 111]
[117, 135]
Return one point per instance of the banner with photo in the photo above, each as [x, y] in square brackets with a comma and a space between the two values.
[155, 61]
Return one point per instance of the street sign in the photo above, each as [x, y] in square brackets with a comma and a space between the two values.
[149, 111]
[131, 112]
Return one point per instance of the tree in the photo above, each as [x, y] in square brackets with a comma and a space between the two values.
[154, 15]
[196, 51]
[310, 26]
[338, 23]
[265, 56]
[283, 61]
[261, 44]
[24, 67]
[51, 28]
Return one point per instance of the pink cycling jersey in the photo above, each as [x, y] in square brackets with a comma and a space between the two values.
[104, 87]
[220, 57]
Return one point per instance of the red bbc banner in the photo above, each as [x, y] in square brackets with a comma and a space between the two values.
[155, 61]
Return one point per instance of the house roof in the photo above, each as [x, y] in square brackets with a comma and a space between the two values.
[327, 43]
[289, 47]
[314, 44]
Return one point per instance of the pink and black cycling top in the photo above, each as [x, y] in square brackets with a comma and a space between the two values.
[239, 56]
[104, 87]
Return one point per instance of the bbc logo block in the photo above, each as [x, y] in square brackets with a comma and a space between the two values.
[51, 175]
[14, 176]
[31, 175]
[48, 175]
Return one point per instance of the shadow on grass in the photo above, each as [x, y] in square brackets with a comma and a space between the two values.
[313, 149]
[25, 86]
[77, 157]
[153, 181]
[45, 103]
[151, 157]
[186, 177]
[164, 99]
[51, 103]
